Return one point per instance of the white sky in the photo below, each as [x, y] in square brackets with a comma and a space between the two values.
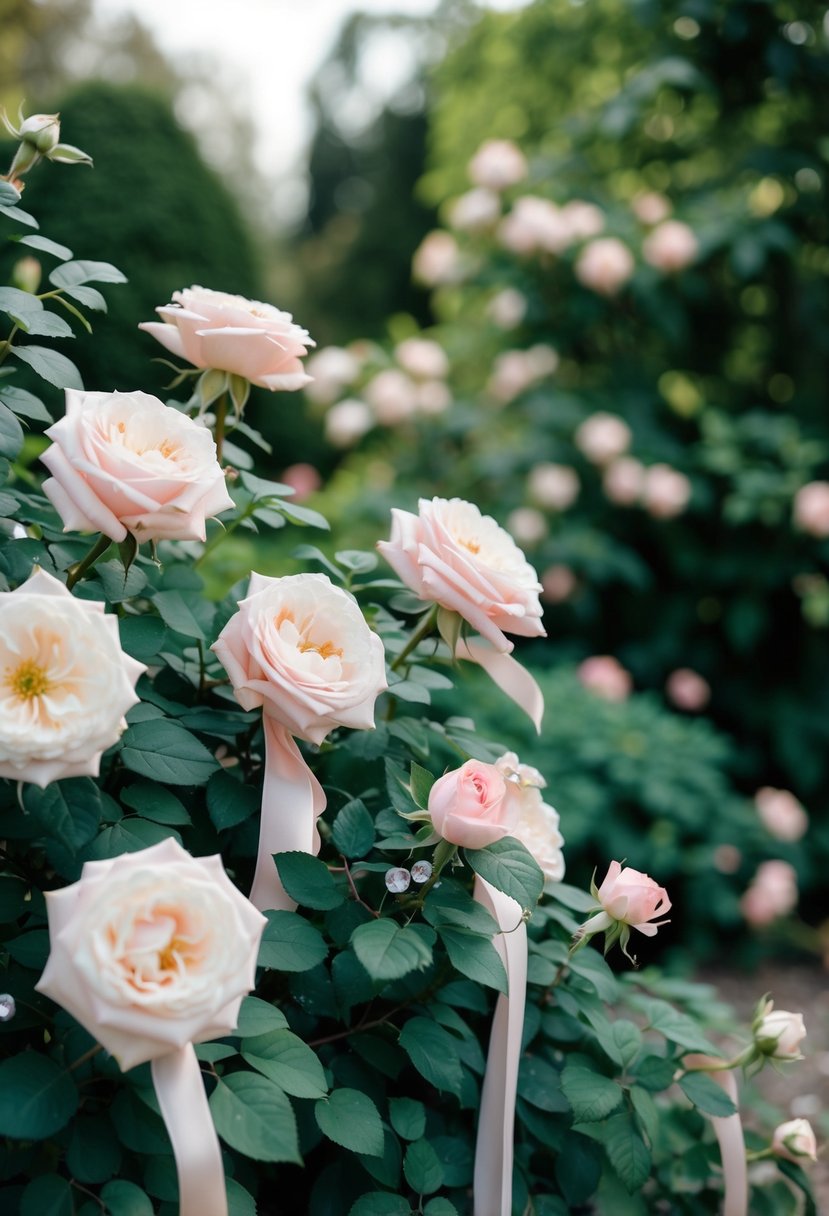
[269, 50]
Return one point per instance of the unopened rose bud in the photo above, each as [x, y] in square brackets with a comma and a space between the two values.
[778, 1033]
[26, 274]
[795, 1141]
[41, 130]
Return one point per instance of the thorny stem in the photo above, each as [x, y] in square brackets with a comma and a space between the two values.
[423, 630]
[361, 1026]
[80, 568]
[219, 431]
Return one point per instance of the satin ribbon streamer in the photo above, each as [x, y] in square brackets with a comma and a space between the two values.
[292, 798]
[494, 1147]
[180, 1090]
[507, 673]
[729, 1132]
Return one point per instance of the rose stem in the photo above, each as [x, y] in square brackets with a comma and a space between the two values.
[423, 630]
[80, 568]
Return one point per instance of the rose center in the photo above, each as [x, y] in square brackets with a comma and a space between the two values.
[28, 680]
[472, 545]
[325, 650]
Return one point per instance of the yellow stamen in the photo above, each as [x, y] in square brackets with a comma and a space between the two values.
[28, 680]
[325, 651]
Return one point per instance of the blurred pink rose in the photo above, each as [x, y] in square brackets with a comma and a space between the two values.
[558, 583]
[670, 247]
[347, 422]
[151, 950]
[125, 462]
[527, 525]
[651, 208]
[666, 492]
[436, 259]
[781, 813]
[688, 690]
[514, 371]
[474, 806]
[605, 676]
[497, 164]
[392, 396]
[554, 486]
[422, 358]
[475, 211]
[602, 438]
[454, 556]
[771, 894]
[605, 265]
[66, 684]
[583, 220]
[246, 337]
[534, 225]
[623, 481]
[330, 369]
[538, 823]
[303, 478]
[811, 508]
[727, 858]
[432, 397]
[300, 647]
[778, 1033]
[795, 1141]
[508, 308]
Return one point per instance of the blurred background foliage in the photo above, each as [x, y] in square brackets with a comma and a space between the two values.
[718, 367]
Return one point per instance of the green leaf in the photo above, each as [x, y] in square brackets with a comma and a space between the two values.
[358, 561]
[434, 1053]
[655, 1072]
[50, 365]
[510, 868]
[308, 880]
[389, 951]
[12, 898]
[408, 1117]
[9, 194]
[239, 1201]
[422, 1168]
[142, 636]
[69, 810]
[17, 213]
[706, 1094]
[46, 325]
[303, 516]
[127, 836]
[350, 1119]
[286, 1059]
[154, 802]
[353, 829]
[289, 943]
[474, 956]
[24, 403]
[380, 1203]
[229, 802]
[421, 782]
[440, 1207]
[47, 1195]
[164, 751]
[253, 1116]
[539, 1083]
[624, 1043]
[678, 1027]
[17, 303]
[46, 246]
[30, 949]
[257, 1017]
[177, 614]
[90, 296]
[94, 1154]
[37, 1097]
[72, 274]
[11, 434]
[578, 1168]
[627, 1152]
[591, 1096]
[124, 1198]
[451, 904]
[120, 584]
[646, 1110]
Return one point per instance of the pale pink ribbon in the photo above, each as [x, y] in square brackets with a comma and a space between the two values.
[507, 673]
[729, 1132]
[292, 799]
[185, 1111]
[494, 1149]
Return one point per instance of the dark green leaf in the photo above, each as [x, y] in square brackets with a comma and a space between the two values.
[50, 365]
[655, 1072]
[37, 1097]
[24, 403]
[229, 802]
[474, 956]
[440, 1207]
[389, 951]
[253, 1116]
[11, 434]
[164, 751]
[308, 880]
[289, 943]
[539, 1083]
[142, 636]
[591, 1096]
[257, 1017]
[287, 1060]
[30, 949]
[408, 1117]
[127, 836]
[177, 614]
[93, 1154]
[624, 1043]
[627, 1151]
[451, 904]
[422, 1168]
[69, 810]
[706, 1094]
[421, 782]
[380, 1203]
[434, 1053]
[47, 1195]
[578, 1168]
[120, 585]
[510, 868]
[350, 1118]
[124, 1198]
[353, 829]
[678, 1027]
[154, 802]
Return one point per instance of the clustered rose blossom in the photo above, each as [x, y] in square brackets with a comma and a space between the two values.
[347, 422]
[152, 950]
[688, 690]
[629, 900]
[213, 329]
[436, 259]
[554, 486]
[623, 481]
[66, 682]
[527, 525]
[651, 208]
[534, 225]
[666, 492]
[125, 462]
[670, 247]
[473, 806]
[422, 358]
[497, 164]
[538, 823]
[781, 813]
[778, 1033]
[605, 676]
[583, 220]
[452, 555]
[811, 508]
[330, 370]
[771, 894]
[795, 1141]
[558, 583]
[391, 395]
[605, 265]
[514, 371]
[300, 647]
[602, 437]
[507, 308]
[475, 211]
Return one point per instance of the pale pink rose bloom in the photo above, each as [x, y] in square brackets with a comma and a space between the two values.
[538, 823]
[474, 806]
[771, 894]
[392, 396]
[475, 211]
[452, 555]
[779, 1033]
[331, 370]
[542, 360]
[300, 647]
[811, 508]
[651, 208]
[795, 1141]
[688, 690]
[554, 486]
[227, 332]
[584, 220]
[605, 676]
[558, 584]
[602, 437]
[670, 247]
[432, 397]
[527, 525]
[347, 422]
[727, 858]
[152, 950]
[125, 462]
[534, 225]
[605, 265]
[508, 308]
[303, 479]
[666, 492]
[497, 164]
[630, 898]
[514, 371]
[781, 813]
[436, 259]
[623, 481]
[66, 685]
[422, 358]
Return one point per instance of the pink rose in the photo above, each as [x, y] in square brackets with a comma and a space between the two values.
[347, 422]
[538, 823]
[303, 479]
[436, 259]
[603, 437]
[452, 555]
[300, 647]
[670, 247]
[771, 894]
[527, 525]
[498, 163]
[688, 690]
[422, 358]
[583, 220]
[555, 486]
[66, 682]
[651, 208]
[634, 898]
[781, 813]
[392, 396]
[474, 806]
[604, 675]
[666, 492]
[778, 1033]
[795, 1141]
[151, 951]
[432, 397]
[475, 211]
[534, 225]
[330, 370]
[125, 462]
[232, 334]
[811, 508]
[605, 265]
[623, 481]
[507, 308]
[558, 583]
